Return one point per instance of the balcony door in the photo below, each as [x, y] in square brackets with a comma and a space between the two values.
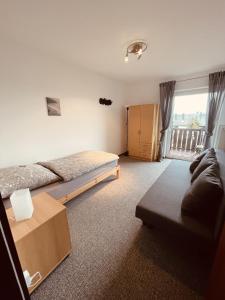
[187, 131]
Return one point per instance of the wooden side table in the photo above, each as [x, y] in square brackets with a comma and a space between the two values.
[43, 241]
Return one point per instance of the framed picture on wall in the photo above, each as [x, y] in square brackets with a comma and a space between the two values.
[53, 106]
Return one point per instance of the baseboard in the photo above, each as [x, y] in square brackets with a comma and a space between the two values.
[124, 154]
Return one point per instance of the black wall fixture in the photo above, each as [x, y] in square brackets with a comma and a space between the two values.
[105, 101]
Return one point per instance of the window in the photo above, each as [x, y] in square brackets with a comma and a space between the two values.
[190, 111]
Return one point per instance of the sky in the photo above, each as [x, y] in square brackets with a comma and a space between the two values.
[190, 103]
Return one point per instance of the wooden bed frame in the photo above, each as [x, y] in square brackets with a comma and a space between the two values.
[114, 171]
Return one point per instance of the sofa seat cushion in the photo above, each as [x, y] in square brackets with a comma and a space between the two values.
[161, 205]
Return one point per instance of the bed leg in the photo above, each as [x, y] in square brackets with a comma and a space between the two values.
[118, 172]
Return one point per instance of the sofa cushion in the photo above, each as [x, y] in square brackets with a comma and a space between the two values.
[207, 160]
[197, 160]
[203, 197]
[20, 177]
[161, 205]
[220, 156]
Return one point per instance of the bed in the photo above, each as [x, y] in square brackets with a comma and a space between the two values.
[63, 178]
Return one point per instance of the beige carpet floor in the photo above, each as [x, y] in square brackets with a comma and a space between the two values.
[114, 256]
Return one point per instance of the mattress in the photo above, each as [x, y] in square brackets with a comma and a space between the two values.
[65, 188]
[60, 189]
[75, 165]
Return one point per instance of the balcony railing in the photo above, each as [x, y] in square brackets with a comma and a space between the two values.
[187, 139]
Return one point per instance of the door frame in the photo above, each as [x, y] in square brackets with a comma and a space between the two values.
[13, 283]
[202, 90]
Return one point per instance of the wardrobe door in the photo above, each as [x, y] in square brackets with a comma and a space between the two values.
[134, 125]
[146, 137]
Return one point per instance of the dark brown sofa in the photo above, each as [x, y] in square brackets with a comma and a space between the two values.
[161, 205]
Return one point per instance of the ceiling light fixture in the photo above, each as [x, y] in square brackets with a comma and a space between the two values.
[137, 48]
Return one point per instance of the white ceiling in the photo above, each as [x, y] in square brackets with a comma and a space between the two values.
[184, 37]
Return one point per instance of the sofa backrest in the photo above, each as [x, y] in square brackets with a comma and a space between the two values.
[220, 154]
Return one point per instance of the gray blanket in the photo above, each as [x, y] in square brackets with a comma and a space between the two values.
[75, 165]
[21, 177]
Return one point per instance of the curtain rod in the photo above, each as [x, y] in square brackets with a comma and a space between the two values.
[192, 78]
[197, 77]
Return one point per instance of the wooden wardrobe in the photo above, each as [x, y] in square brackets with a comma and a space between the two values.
[143, 131]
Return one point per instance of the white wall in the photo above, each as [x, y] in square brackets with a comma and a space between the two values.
[222, 116]
[142, 92]
[147, 91]
[28, 134]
